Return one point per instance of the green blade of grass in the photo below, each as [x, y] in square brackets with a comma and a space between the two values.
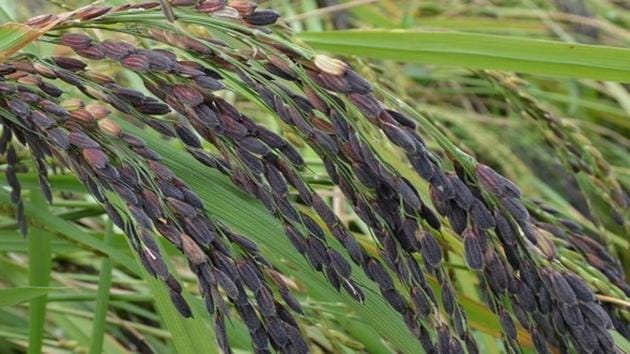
[479, 51]
[39, 264]
[102, 300]
[621, 341]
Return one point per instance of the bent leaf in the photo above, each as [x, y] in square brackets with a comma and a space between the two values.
[480, 51]
[15, 36]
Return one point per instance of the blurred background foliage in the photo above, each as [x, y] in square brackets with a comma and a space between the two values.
[471, 107]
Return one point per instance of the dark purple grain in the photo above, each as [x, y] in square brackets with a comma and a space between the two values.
[473, 249]
[430, 249]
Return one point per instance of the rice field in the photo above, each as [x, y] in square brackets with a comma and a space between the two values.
[306, 176]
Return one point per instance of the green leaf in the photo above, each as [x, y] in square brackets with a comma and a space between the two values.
[480, 51]
[621, 341]
[102, 301]
[39, 266]
[14, 296]
[189, 335]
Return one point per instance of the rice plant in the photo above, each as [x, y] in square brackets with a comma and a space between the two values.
[193, 177]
